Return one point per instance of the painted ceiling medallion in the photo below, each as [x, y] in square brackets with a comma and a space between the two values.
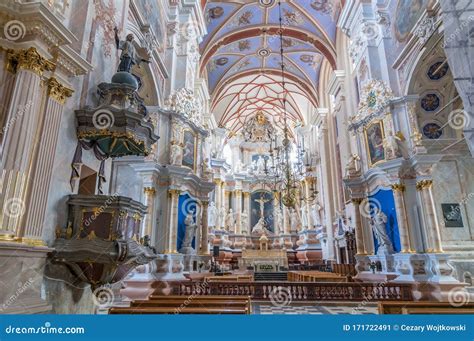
[263, 52]
[437, 71]
[432, 131]
[430, 102]
[266, 3]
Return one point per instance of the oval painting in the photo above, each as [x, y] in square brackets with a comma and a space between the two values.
[408, 13]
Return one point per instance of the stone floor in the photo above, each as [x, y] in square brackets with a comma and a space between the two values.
[316, 308]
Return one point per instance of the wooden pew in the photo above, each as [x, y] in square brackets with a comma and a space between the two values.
[157, 304]
[176, 310]
[408, 308]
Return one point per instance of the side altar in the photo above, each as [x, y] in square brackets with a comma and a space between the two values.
[255, 258]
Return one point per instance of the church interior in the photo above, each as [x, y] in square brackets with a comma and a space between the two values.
[237, 157]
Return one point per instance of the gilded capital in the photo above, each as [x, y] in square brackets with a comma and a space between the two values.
[58, 91]
[398, 187]
[174, 192]
[28, 59]
[205, 203]
[357, 201]
[421, 185]
[149, 190]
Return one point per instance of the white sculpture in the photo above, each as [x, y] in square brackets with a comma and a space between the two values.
[260, 165]
[378, 222]
[295, 220]
[190, 232]
[222, 216]
[353, 166]
[304, 216]
[244, 221]
[278, 221]
[176, 155]
[230, 221]
[259, 227]
[390, 145]
[212, 215]
[316, 215]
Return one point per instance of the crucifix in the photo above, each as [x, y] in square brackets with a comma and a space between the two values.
[261, 202]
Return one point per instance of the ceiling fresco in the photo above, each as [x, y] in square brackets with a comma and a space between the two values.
[243, 40]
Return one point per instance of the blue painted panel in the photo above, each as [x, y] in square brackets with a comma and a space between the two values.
[185, 204]
[384, 200]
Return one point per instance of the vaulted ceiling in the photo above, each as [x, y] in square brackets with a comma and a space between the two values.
[240, 56]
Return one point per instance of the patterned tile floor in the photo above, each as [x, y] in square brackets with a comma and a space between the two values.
[307, 308]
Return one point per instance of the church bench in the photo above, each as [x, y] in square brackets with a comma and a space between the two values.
[178, 310]
[189, 303]
[408, 308]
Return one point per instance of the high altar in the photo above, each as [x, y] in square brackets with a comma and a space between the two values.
[256, 258]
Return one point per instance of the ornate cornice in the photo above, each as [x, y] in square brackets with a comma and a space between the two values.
[28, 59]
[58, 91]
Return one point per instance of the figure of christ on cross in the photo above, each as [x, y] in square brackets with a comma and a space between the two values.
[261, 202]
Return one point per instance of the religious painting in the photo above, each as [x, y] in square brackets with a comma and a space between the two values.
[374, 136]
[452, 216]
[438, 70]
[407, 14]
[261, 207]
[215, 13]
[153, 14]
[189, 149]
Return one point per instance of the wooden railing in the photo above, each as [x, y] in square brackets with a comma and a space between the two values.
[298, 291]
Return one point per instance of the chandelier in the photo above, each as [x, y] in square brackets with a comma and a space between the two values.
[289, 170]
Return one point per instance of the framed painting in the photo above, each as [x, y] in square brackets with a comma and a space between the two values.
[452, 215]
[189, 149]
[374, 136]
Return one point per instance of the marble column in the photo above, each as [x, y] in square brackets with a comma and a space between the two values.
[276, 206]
[150, 203]
[359, 229]
[247, 211]
[286, 221]
[203, 246]
[223, 206]
[431, 219]
[238, 211]
[42, 172]
[21, 137]
[398, 193]
[173, 198]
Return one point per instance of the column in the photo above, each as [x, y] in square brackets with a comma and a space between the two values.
[204, 247]
[398, 193]
[42, 173]
[359, 230]
[20, 140]
[247, 211]
[431, 219]
[276, 206]
[150, 203]
[223, 206]
[238, 211]
[217, 193]
[173, 197]
[286, 221]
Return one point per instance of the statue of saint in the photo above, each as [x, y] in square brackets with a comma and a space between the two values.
[316, 215]
[229, 221]
[278, 221]
[304, 216]
[190, 230]
[378, 222]
[129, 55]
[212, 215]
[295, 220]
[175, 154]
[390, 144]
[260, 165]
[244, 221]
